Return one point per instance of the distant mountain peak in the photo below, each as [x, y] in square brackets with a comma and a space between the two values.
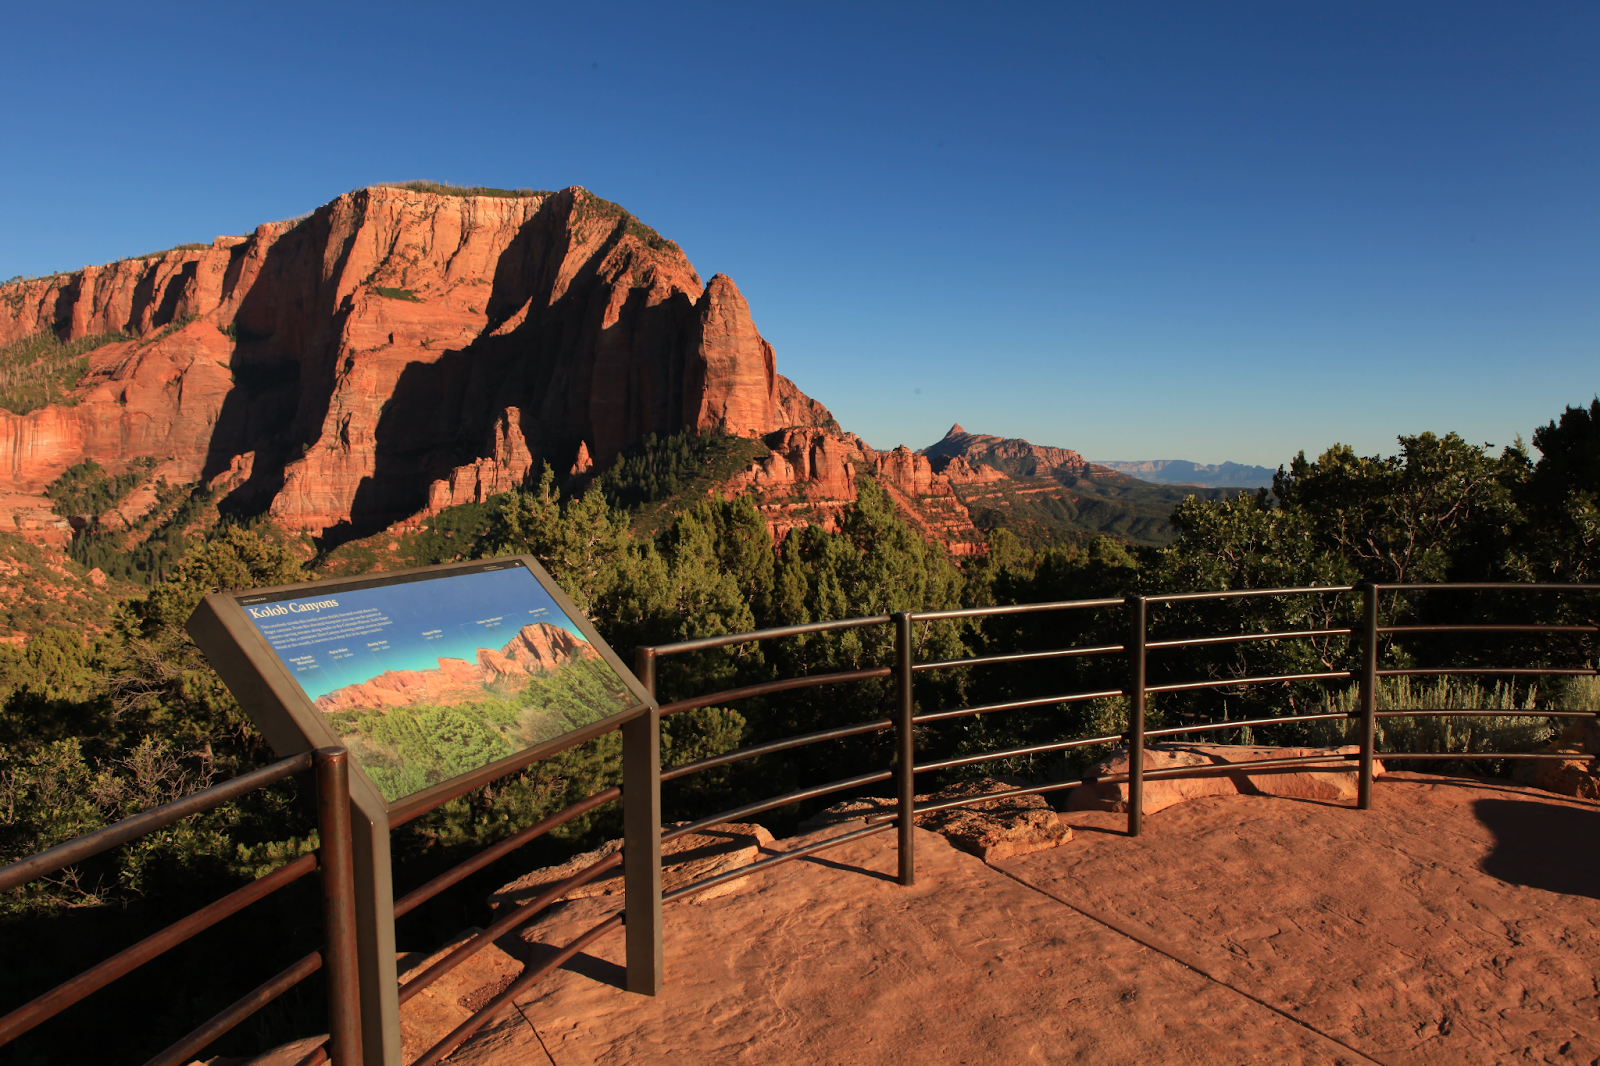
[1012, 456]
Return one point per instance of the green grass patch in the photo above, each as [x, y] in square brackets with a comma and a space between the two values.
[397, 294]
[40, 370]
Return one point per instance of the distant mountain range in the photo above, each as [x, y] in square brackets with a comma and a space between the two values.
[1183, 472]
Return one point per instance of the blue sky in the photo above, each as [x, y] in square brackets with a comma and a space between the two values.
[1204, 231]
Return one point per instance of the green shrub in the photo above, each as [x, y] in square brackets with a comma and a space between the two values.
[397, 294]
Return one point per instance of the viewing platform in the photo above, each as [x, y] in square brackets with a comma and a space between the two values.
[1453, 923]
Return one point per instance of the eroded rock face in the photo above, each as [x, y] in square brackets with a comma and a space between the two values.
[393, 353]
[809, 477]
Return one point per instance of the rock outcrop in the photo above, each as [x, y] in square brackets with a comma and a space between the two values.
[809, 477]
[1009, 456]
[393, 353]
[1578, 776]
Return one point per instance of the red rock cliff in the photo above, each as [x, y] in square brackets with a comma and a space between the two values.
[394, 352]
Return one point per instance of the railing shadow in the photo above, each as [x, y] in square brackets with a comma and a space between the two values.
[1543, 845]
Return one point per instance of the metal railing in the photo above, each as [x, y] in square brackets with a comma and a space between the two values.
[643, 773]
[333, 857]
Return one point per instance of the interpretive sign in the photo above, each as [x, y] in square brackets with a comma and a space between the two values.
[437, 680]
[431, 675]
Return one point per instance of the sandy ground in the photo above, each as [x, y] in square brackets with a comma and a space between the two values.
[1455, 923]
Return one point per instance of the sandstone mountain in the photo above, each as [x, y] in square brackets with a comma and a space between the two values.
[393, 352]
[1015, 458]
[540, 648]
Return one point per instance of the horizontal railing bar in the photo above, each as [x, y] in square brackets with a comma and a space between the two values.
[1228, 594]
[755, 867]
[190, 1046]
[704, 643]
[776, 745]
[492, 1010]
[1480, 586]
[515, 916]
[1521, 671]
[52, 859]
[1036, 749]
[1174, 731]
[766, 688]
[97, 977]
[1020, 608]
[1014, 705]
[781, 801]
[1020, 657]
[1490, 629]
[1187, 686]
[415, 898]
[1387, 755]
[1486, 713]
[1191, 642]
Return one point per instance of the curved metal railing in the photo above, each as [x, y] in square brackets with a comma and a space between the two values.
[1134, 652]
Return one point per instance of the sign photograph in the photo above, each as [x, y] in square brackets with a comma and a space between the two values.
[429, 676]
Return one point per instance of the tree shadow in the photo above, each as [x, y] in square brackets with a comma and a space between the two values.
[1542, 845]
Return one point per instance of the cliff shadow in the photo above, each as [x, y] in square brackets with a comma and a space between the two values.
[1543, 845]
[571, 379]
[281, 366]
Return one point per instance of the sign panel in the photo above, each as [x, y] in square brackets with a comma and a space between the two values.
[428, 676]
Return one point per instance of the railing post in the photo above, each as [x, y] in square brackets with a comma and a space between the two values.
[905, 749]
[641, 836]
[341, 963]
[1136, 655]
[1369, 693]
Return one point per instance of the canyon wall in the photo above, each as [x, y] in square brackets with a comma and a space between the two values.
[392, 353]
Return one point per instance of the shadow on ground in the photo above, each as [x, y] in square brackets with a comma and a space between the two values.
[1543, 845]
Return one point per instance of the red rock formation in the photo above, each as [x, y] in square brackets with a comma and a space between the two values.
[1016, 458]
[394, 352]
[810, 477]
[536, 649]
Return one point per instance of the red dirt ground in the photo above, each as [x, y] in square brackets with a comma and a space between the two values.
[1454, 923]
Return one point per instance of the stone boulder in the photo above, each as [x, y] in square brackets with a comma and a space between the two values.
[1577, 776]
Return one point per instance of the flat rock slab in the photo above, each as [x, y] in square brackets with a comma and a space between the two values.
[1335, 782]
[827, 960]
[694, 857]
[1456, 922]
